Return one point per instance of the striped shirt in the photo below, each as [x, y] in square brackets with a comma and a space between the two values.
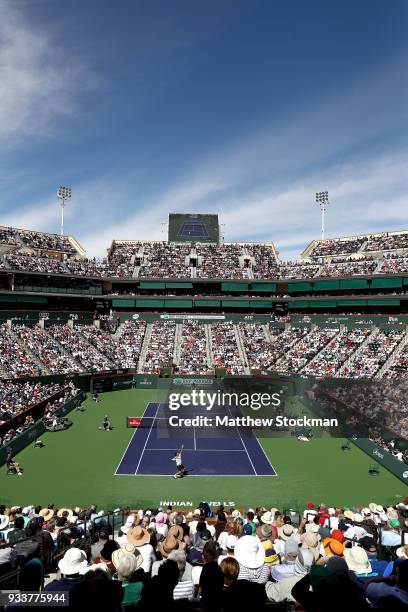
[184, 590]
[259, 574]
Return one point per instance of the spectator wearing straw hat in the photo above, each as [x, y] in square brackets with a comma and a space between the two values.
[357, 561]
[266, 535]
[310, 541]
[140, 539]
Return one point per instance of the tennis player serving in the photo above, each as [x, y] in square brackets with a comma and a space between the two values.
[180, 468]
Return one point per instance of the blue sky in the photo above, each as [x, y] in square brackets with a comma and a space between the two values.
[240, 108]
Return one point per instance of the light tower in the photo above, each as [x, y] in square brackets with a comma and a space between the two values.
[64, 194]
[322, 199]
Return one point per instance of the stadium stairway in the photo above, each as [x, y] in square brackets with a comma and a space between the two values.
[177, 344]
[209, 348]
[145, 346]
[241, 348]
[119, 331]
[375, 331]
[391, 359]
[266, 332]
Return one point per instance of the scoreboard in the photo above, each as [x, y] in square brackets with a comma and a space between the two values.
[194, 228]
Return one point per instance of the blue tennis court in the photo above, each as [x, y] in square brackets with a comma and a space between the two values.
[197, 230]
[207, 451]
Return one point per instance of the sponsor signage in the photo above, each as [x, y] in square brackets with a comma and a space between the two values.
[193, 317]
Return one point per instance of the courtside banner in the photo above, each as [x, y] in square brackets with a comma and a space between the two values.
[384, 458]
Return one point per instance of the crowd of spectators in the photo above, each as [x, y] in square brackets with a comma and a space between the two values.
[321, 558]
[225, 261]
[348, 246]
[336, 353]
[352, 267]
[19, 398]
[193, 349]
[367, 362]
[399, 369]
[35, 240]
[161, 259]
[394, 265]
[75, 343]
[221, 261]
[28, 350]
[295, 359]
[54, 360]
[225, 352]
[119, 353]
[15, 360]
[129, 344]
[260, 352]
[297, 269]
[264, 262]
[160, 351]
[381, 402]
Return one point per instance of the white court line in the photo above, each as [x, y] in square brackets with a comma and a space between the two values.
[204, 450]
[147, 439]
[202, 475]
[267, 458]
[242, 442]
[197, 450]
[130, 441]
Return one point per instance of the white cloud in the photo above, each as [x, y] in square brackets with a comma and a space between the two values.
[365, 196]
[38, 82]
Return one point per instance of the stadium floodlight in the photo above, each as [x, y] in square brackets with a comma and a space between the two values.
[64, 194]
[322, 199]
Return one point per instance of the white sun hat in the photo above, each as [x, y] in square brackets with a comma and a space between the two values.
[73, 562]
[249, 552]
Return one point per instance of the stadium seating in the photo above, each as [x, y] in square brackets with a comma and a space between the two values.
[193, 349]
[368, 361]
[225, 350]
[35, 240]
[375, 243]
[160, 350]
[17, 398]
[212, 557]
[296, 359]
